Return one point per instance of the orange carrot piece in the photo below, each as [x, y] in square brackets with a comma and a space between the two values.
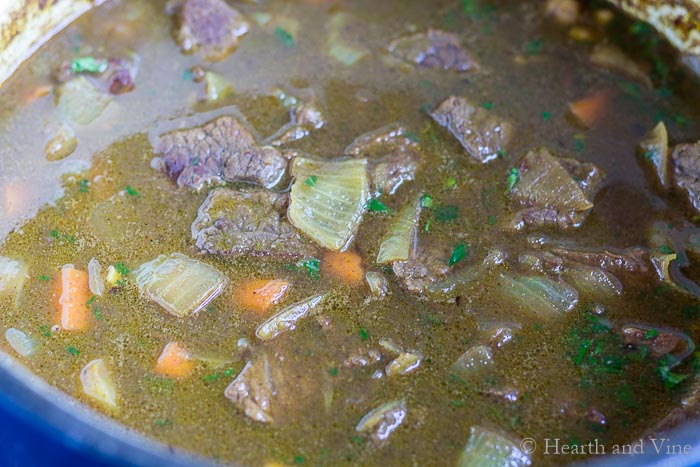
[74, 295]
[344, 266]
[589, 110]
[260, 294]
[174, 361]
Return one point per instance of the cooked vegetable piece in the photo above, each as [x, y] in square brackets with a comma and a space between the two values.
[73, 299]
[331, 209]
[654, 148]
[261, 294]
[174, 362]
[97, 383]
[211, 26]
[405, 363]
[340, 45]
[377, 283]
[593, 281]
[590, 110]
[661, 262]
[473, 360]
[179, 284]
[383, 420]
[287, 319]
[611, 57]
[435, 49]
[216, 86]
[13, 275]
[79, 101]
[345, 266]
[486, 447]
[660, 341]
[61, 145]
[95, 280]
[400, 240]
[21, 342]
[543, 297]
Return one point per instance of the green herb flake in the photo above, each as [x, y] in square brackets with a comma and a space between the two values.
[357, 440]
[212, 377]
[61, 237]
[121, 268]
[88, 65]
[132, 192]
[579, 143]
[667, 250]
[83, 185]
[492, 220]
[364, 334]
[427, 226]
[91, 300]
[487, 105]
[412, 137]
[187, 75]
[447, 213]
[650, 334]
[546, 116]
[73, 351]
[311, 266]
[513, 178]
[44, 278]
[458, 254]
[162, 422]
[456, 403]
[450, 183]
[298, 459]
[98, 313]
[533, 47]
[426, 201]
[669, 378]
[284, 37]
[333, 371]
[375, 205]
[228, 372]
[311, 180]
[45, 330]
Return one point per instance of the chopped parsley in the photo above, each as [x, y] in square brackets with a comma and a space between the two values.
[546, 115]
[412, 137]
[121, 268]
[450, 183]
[426, 201]
[284, 37]
[492, 220]
[97, 312]
[311, 180]
[447, 213]
[579, 143]
[61, 237]
[364, 334]
[375, 205]
[132, 192]
[513, 178]
[333, 371]
[73, 351]
[650, 334]
[45, 330]
[44, 278]
[83, 185]
[487, 105]
[212, 377]
[88, 65]
[92, 299]
[533, 47]
[162, 422]
[311, 266]
[427, 226]
[669, 378]
[458, 254]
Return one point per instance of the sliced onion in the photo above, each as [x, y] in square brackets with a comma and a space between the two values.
[20, 342]
[541, 296]
[383, 420]
[79, 101]
[95, 280]
[287, 319]
[486, 447]
[399, 243]
[13, 275]
[98, 384]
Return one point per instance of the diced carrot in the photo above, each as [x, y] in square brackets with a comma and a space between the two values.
[589, 110]
[174, 362]
[344, 266]
[260, 294]
[74, 295]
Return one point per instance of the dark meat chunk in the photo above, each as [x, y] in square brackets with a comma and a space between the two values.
[628, 260]
[393, 157]
[211, 26]
[483, 134]
[658, 341]
[305, 115]
[553, 191]
[231, 222]
[115, 75]
[221, 150]
[433, 49]
[120, 81]
[686, 171]
[427, 266]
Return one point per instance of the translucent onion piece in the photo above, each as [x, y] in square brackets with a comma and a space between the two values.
[654, 148]
[383, 420]
[339, 44]
[594, 281]
[216, 86]
[377, 283]
[180, 284]
[328, 199]
[95, 280]
[98, 384]
[79, 101]
[488, 448]
[20, 342]
[474, 359]
[405, 363]
[286, 320]
[661, 262]
[400, 241]
[539, 295]
[13, 275]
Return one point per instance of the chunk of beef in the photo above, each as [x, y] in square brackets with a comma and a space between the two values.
[482, 134]
[393, 157]
[269, 389]
[220, 150]
[553, 191]
[427, 265]
[237, 223]
[211, 26]
[659, 341]
[305, 115]
[115, 75]
[433, 49]
[615, 260]
[686, 171]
